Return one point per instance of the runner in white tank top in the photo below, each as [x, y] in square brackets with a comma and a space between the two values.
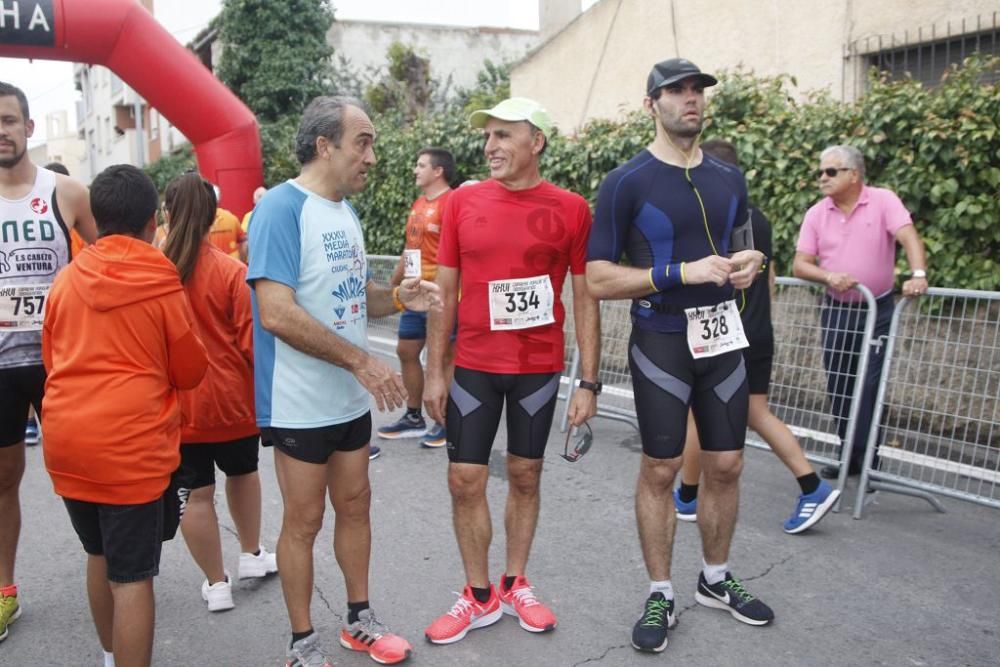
[38, 208]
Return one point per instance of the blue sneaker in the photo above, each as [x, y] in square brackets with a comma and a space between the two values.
[685, 511]
[406, 426]
[811, 508]
[436, 437]
[374, 452]
[31, 432]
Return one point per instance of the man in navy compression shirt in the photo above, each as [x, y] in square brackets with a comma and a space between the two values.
[672, 210]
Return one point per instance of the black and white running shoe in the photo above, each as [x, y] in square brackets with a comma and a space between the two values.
[730, 595]
[650, 631]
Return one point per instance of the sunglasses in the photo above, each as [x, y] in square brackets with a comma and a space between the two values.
[831, 171]
[580, 447]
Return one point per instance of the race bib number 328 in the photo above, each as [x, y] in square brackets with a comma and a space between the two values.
[715, 330]
[521, 303]
[22, 307]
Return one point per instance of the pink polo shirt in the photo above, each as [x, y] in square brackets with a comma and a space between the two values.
[862, 245]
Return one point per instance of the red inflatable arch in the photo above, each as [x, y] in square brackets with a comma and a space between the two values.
[124, 37]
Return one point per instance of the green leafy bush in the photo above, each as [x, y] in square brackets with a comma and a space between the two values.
[938, 148]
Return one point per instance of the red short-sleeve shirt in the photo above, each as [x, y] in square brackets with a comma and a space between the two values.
[492, 233]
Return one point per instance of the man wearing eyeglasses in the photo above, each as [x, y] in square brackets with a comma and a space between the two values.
[507, 243]
[671, 210]
[849, 238]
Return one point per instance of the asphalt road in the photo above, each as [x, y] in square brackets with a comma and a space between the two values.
[905, 586]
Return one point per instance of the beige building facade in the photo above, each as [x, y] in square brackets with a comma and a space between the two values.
[596, 66]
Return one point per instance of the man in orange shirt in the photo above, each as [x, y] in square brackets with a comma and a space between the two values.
[227, 233]
[257, 194]
[433, 173]
[119, 325]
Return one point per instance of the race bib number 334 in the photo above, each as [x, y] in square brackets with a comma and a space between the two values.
[715, 330]
[22, 307]
[521, 303]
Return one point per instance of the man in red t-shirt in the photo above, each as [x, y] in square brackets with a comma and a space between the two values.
[433, 173]
[506, 245]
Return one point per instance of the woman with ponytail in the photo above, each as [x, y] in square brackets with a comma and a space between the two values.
[219, 425]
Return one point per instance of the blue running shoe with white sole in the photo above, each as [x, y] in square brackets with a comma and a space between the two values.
[407, 426]
[811, 508]
[685, 511]
[436, 437]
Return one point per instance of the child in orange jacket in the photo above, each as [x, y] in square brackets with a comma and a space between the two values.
[117, 343]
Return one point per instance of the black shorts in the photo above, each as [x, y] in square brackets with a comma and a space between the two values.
[128, 536]
[475, 402]
[235, 457]
[19, 388]
[759, 358]
[667, 381]
[316, 445]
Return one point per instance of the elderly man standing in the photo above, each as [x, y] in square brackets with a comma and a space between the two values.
[508, 244]
[313, 374]
[849, 238]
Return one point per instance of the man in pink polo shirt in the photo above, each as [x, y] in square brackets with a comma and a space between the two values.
[849, 238]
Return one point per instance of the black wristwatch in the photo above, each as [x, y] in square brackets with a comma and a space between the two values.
[592, 386]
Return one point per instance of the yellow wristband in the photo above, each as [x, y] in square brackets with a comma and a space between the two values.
[651, 283]
[683, 279]
[395, 299]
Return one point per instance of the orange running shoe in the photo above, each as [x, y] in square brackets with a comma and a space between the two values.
[371, 636]
[520, 601]
[467, 614]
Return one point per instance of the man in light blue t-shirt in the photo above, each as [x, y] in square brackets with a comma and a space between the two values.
[313, 374]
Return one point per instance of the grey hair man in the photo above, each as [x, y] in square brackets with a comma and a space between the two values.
[849, 238]
[314, 376]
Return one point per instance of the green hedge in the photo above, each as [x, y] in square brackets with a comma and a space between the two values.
[939, 149]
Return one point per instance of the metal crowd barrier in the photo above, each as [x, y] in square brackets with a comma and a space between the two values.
[937, 414]
[938, 401]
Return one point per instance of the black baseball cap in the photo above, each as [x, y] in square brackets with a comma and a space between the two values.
[671, 71]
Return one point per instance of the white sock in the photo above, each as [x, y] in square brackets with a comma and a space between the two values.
[109, 659]
[715, 573]
[664, 587]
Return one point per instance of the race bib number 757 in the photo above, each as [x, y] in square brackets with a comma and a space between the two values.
[22, 307]
[521, 303]
[715, 330]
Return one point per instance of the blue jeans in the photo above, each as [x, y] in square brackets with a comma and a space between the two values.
[843, 333]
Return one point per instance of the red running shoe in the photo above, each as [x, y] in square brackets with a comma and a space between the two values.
[369, 635]
[467, 614]
[520, 601]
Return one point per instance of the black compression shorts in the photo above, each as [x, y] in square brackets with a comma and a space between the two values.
[475, 402]
[666, 381]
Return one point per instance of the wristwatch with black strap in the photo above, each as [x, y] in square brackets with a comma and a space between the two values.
[592, 386]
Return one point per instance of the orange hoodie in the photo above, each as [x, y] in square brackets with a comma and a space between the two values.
[117, 343]
[221, 408]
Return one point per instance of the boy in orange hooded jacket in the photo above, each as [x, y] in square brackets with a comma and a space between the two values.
[117, 343]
